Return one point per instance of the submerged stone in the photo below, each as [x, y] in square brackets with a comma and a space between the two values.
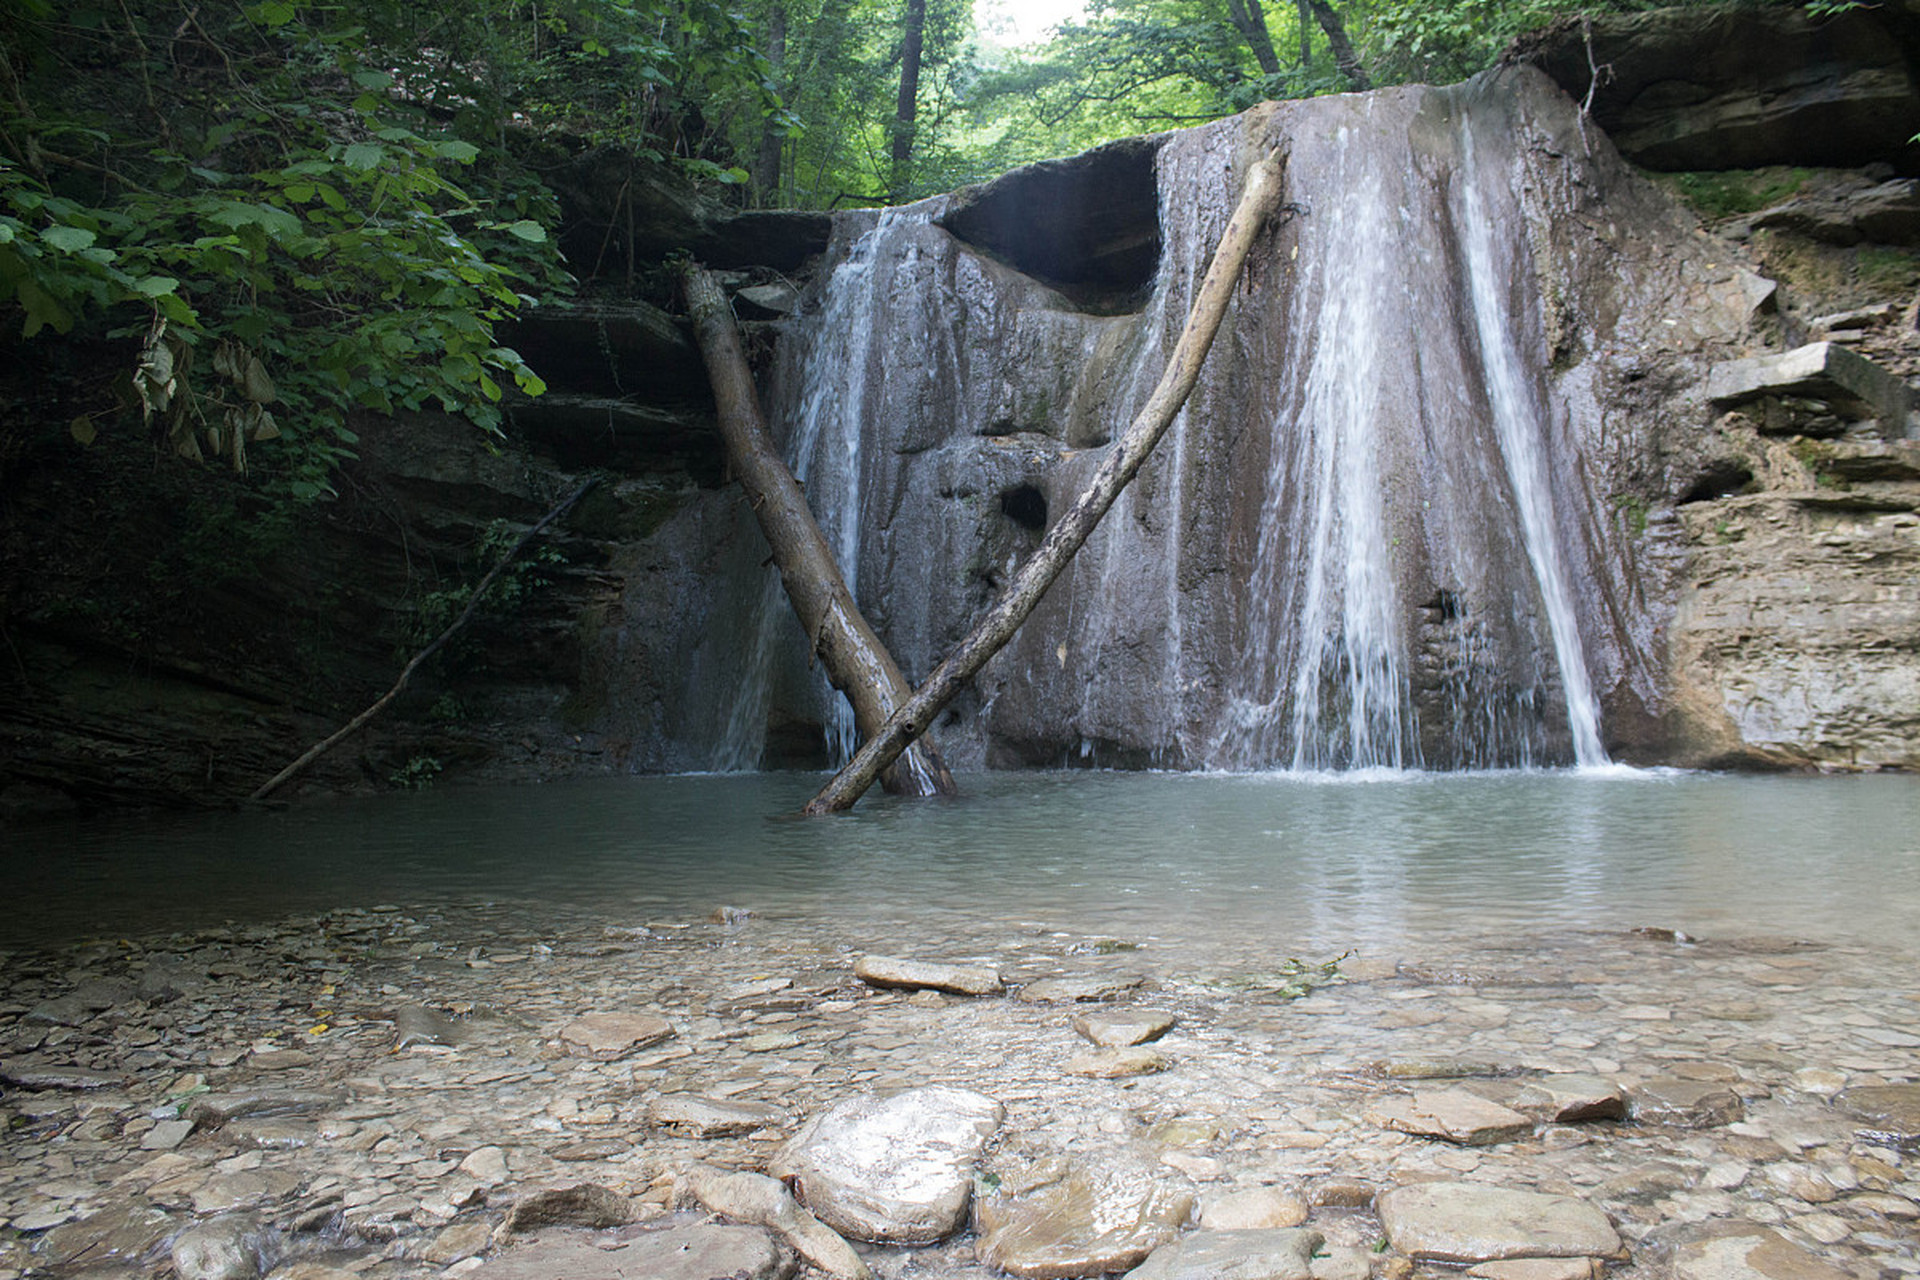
[759, 1200]
[1118, 1064]
[585, 1204]
[1745, 1251]
[606, 1037]
[1122, 1028]
[1254, 1209]
[1451, 1114]
[923, 975]
[1467, 1222]
[1083, 988]
[1889, 1109]
[1687, 1104]
[712, 1117]
[1070, 1220]
[1233, 1255]
[895, 1170]
[699, 1252]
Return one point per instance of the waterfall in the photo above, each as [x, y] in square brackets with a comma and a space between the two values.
[823, 445]
[1367, 542]
[1518, 421]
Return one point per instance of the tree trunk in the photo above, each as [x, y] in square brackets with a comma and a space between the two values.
[907, 105]
[1343, 55]
[766, 160]
[855, 660]
[1257, 203]
[1251, 22]
[1306, 32]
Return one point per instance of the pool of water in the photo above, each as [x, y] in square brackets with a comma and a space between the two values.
[1200, 861]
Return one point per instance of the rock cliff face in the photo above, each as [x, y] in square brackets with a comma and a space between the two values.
[1421, 509]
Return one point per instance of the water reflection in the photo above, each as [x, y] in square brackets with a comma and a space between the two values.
[1313, 863]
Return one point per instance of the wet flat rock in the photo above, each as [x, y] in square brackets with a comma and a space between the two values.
[1233, 1255]
[585, 1205]
[1572, 1099]
[1118, 1064]
[1890, 1109]
[1254, 1209]
[607, 1037]
[33, 1073]
[1067, 1221]
[1453, 1115]
[1123, 1028]
[699, 1117]
[923, 975]
[678, 1253]
[1686, 1104]
[1745, 1251]
[1466, 1222]
[1081, 988]
[896, 1170]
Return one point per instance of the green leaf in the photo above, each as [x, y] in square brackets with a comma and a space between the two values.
[274, 13]
[155, 286]
[528, 230]
[459, 152]
[69, 239]
[373, 79]
[365, 155]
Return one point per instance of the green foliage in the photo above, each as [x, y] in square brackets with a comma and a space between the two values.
[1723, 194]
[417, 774]
[526, 574]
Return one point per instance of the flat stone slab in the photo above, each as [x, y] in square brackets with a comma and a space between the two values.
[700, 1117]
[1469, 1222]
[1535, 1269]
[1890, 1109]
[926, 975]
[1746, 1251]
[1254, 1209]
[34, 1073]
[678, 1253]
[1686, 1104]
[587, 1204]
[1820, 370]
[1233, 1255]
[1118, 1064]
[606, 1037]
[218, 1108]
[895, 1169]
[1067, 1221]
[1572, 1099]
[1452, 1115]
[1081, 988]
[1123, 1028]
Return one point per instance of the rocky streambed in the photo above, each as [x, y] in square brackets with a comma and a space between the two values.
[471, 1091]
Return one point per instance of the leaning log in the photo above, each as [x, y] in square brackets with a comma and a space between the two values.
[856, 662]
[1258, 202]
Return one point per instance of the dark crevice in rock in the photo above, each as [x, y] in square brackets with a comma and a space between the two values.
[1089, 226]
[1720, 478]
[1026, 506]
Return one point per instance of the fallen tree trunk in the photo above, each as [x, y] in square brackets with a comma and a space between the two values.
[360, 721]
[856, 662]
[1258, 202]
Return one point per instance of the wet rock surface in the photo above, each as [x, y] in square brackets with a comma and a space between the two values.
[322, 1147]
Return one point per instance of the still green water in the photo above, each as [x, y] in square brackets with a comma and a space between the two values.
[1317, 864]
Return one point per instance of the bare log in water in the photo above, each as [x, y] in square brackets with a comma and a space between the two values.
[856, 662]
[1259, 202]
[360, 721]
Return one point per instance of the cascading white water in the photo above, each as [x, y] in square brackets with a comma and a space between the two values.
[1518, 422]
[822, 443]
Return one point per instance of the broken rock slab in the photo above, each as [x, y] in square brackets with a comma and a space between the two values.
[1123, 1028]
[1233, 1255]
[1081, 988]
[699, 1117]
[1821, 371]
[1725, 1250]
[1572, 1099]
[761, 1201]
[1118, 1064]
[923, 975]
[1469, 1222]
[698, 1252]
[1452, 1115]
[587, 1204]
[1068, 1220]
[895, 1169]
[1686, 1104]
[1890, 1112]
[606, 1037]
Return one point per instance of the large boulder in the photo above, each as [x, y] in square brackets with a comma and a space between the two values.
[895, 1170]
